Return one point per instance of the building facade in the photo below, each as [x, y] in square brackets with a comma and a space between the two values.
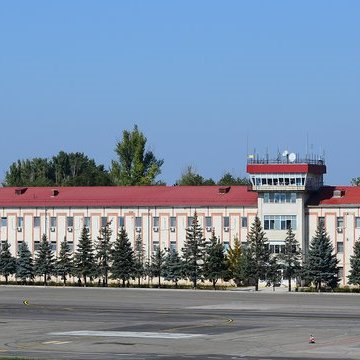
[283, 193]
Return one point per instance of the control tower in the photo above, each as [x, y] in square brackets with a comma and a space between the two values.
[283, 186]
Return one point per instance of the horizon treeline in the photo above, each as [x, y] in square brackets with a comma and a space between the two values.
[134, 165]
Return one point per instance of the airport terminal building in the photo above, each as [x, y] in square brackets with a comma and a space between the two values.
[287, 191]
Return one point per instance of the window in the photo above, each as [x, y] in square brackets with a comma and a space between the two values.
[173, 245]
[36, 245]
[103, 221]
[138, 221]
[226, 220]
[357, 222]
[71, 246]
[53, 246]
[288, 197]
[190, 221]
[340, 272]
[20, 221]
[70, 221]
[156, 221]
[340, 247]
[87, 222]
[4, 221]
[121, 221]
[36, 221]
[53, 221]
[277, 249]
[208, 221]
[226, 246]
[279, 222]
[244, 222]
[321, 220]
[155, 246]
[340, 222]
[172, 221]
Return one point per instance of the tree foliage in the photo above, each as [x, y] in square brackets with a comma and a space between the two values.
[321, 263]
[194, 252]
[190, 177]
[157, 264]
[84, 261]
[7, 261]
[103, 252]
[215, 262]
[235, 263]
[259, 251]
[122, 258]
[24, 263]
[64, 263]
[354, 276]
[228, 179]
[135, 165]
[64, 169]
[44, 260]
[139, 259]
[173, 267]
[291, 258]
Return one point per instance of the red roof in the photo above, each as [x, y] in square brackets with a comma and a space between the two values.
[347, 195]
[117, 196]
[286, 169]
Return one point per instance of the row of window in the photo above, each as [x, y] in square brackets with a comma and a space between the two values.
[121, 221]
[280, 197]
[279, 180]
[279, 222]
[340, 221]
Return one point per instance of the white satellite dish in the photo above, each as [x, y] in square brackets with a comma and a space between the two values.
[285, 153]
[292, 157]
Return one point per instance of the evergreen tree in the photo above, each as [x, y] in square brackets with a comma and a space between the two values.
[24, 263]
[215, 263]
[157, 264]
[259, 250]
[235, 262]
[173, 267]
[84, 262]
[122, 258]
[273, 274]
[321, 262]
[7, 261]
[103, 252]
[291, 258]
[247, 267]
[354, 276]
[194, 252]
[64, 264]
[135, 166]
[44, 260]
[139, 258]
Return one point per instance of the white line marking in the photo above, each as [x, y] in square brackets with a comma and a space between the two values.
[157, 335]
[56, 342]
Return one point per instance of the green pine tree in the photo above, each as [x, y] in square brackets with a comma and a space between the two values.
[215, 263]
[173, 267]
[157, 264]
[291, 258]
[84, 262]
[44, 260]
[354, 276]
[139, 258]
[103, 252]
[7, 261]
[122, 258]
[235, 262]
[321, 263]
[259, 250]
[273, 272]
[24, 263]
[193, 252]
[64, 264]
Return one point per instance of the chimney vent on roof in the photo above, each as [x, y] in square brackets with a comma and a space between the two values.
[337, 194]
[54, 192]
[20, 191]
[224, 189]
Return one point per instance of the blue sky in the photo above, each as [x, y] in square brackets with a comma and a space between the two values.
[204, 81]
